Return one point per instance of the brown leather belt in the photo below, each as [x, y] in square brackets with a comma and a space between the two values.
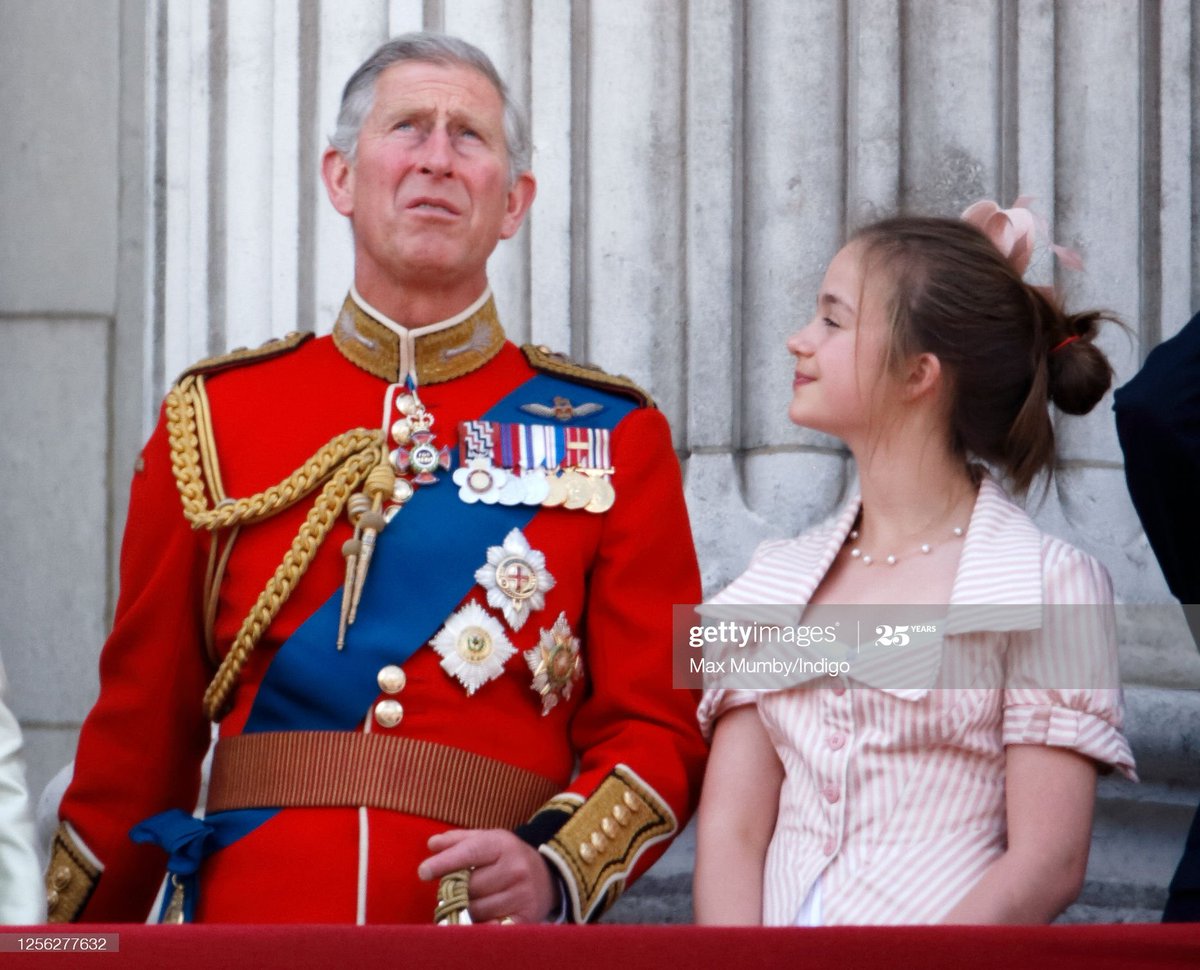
[310, 769]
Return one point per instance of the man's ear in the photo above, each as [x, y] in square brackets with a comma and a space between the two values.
[338, 176]
[520, 198]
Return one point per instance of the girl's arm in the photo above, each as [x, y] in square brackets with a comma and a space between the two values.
[738, 805]
[1050, 796]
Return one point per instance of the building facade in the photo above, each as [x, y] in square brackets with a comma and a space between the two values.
[698, 163]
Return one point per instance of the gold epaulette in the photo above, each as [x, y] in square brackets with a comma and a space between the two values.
[246, 355]
[542, 358]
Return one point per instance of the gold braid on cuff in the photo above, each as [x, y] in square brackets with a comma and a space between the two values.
[70, 878]
[598, 846]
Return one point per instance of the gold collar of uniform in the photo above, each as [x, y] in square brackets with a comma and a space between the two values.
[436, 353]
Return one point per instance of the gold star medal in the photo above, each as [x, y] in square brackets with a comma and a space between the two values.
[603, 494]
[579, 489]
[473, 647]
[515, 578]
[556, 664]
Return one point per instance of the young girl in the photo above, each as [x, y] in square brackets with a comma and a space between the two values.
[971, 802]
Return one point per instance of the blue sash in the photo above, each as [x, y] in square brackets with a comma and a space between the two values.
[423, 567]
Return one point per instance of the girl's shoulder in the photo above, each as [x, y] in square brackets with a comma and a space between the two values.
[1070, 575]
[1007, 544]
[785, 570]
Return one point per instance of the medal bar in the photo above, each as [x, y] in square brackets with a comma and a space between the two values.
[536, 464]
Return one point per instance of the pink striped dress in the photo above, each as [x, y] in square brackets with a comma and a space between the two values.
[893, 801]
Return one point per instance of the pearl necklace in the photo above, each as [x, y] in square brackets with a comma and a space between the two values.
[891, 560]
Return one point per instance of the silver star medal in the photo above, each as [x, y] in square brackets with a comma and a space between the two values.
[473, 647]
[479, 481]
[516, 579]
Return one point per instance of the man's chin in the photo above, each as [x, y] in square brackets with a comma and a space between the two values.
[436, 263]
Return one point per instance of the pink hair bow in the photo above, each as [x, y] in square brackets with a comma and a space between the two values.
[1014, 232]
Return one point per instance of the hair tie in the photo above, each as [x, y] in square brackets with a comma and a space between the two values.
[1066, 341]
[1014, 232]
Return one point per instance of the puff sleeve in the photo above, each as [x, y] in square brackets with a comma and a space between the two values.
[1062, 686]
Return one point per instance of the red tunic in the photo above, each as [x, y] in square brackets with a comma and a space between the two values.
[616, 576]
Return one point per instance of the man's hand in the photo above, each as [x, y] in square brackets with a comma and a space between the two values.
[508, 877]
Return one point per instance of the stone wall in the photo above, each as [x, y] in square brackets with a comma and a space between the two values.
[71, 278]
[699, 161]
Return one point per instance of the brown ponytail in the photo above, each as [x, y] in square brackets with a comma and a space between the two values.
[1006, 347]
[1079, 371]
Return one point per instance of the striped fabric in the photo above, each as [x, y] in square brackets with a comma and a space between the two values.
[525, 446]
[272, 769]
[894, 799]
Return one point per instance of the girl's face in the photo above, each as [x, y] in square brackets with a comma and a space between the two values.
[841, 386]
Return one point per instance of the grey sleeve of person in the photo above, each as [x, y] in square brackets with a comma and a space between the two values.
[22, 895]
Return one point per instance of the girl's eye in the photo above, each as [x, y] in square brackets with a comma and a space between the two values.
[830, 323]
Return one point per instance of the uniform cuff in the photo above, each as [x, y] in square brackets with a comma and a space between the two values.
[71, 876]
[596, 849]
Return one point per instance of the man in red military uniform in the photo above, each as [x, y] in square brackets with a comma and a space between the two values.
[421, 579]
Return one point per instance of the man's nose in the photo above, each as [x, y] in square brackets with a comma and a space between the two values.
[437, 153]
